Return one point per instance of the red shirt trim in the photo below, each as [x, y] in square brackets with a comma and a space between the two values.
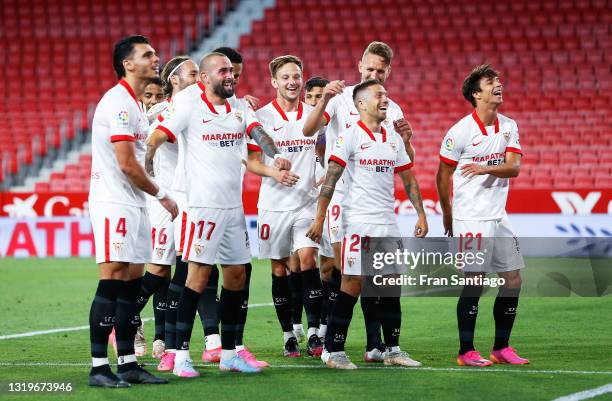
[250, 127]
[338, 160]
[128, 88]
[282, 112]
[228, 108]
[403, 168]
[171, 136]
[483, 130]
[370, 134]
[119, 138]
[448, 161]
[514, 150]
[326, 116]
[253, 148]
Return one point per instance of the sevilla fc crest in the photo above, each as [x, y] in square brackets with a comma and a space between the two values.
[238, 115]
[506, 136]
[160, 252]
[351, 261]
[198, 249]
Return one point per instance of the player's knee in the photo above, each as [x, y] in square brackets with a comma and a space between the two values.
[326, 271]
[159, 270]
[279, 269]
[351, 285]
[308, 258]
[512, 279]
[234, 278]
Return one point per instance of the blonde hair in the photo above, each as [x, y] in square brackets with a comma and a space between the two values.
[280, 61]
[380, 49]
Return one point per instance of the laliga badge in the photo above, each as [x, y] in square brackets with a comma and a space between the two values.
[238, 115]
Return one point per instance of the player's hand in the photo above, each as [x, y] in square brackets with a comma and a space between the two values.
[286, 177]
[170, 205]
[421, 228]
[332, 89]
[472, 169]
[447, 221]
[253, 101]
[282, 164]
[403, 128]
[315, 230]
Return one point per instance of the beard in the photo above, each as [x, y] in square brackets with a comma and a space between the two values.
[222, 92]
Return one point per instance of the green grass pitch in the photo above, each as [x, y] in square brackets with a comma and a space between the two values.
[569, 341]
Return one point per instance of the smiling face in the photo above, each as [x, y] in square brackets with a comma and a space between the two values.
[288, 81]
[152, 95]
[491, 91]
[373, 103]
[218, 75]
[143, 63]
[375, 67]
[185, 76]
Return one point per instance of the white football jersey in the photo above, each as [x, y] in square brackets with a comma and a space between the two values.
[341, 114]
[481, 197]
[370, 161]
[166, 157]
[286, 131]
[214, 141]
[118, 117]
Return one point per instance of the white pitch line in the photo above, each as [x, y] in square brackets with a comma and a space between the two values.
[587, 394]
[77, 328]
[424, 368]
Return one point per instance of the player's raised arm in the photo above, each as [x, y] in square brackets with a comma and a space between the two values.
[153, 142]
[411, 186]
[256, 166]
[125, 152]
[334, 172]
[509, 169]
[316, 120]
[267, 146]
[443, 184]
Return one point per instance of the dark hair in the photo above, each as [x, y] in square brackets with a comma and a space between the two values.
[362, 86]
[124, 49]
[155, 81]
[231, 54]
[315, 82]
[471, 83]
[170, 65]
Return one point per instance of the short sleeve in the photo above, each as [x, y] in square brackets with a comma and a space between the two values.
[514, 145]
[175, 118]
[452, 147]
[343, 148]
[123, 122]
[250, 117]
[396, 112]
[330, 110]
[403, 161]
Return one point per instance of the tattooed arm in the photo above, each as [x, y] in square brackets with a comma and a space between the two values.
[334, 172]
[411, 186]
[266, 143]
[154, 141]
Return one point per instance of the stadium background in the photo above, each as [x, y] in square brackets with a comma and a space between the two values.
[555, 58]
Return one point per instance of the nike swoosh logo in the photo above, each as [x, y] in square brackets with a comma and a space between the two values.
[206, 121]
[476, 143]
[354, 114]
[364, 146]
[276, 129]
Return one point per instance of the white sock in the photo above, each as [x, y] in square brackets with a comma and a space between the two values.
[311, 331]
[95, 362]
[181, 356]
[298, 327]
[287, 335]
[239, 348]
[122, 360]
[227, 354]
[322, 330]
[213, 341]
